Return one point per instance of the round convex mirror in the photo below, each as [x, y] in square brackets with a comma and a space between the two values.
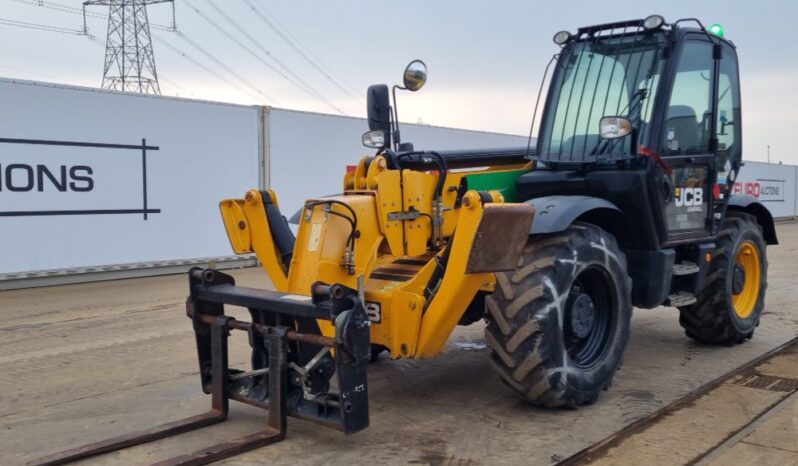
[415, 75]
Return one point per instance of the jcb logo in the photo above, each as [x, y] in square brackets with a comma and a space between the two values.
[688, 197]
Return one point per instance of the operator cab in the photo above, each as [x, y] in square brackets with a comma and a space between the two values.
[646, 115]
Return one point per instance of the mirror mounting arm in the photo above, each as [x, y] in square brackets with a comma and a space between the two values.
[384, 117]
[396, 135]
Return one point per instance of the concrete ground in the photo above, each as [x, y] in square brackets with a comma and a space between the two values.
[749, 417]
[770, 442]
[79, 363]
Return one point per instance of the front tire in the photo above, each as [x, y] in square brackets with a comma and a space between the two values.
[727, 310]
[559, 323]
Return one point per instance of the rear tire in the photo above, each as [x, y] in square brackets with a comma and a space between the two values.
[559, 323]
[720, 315]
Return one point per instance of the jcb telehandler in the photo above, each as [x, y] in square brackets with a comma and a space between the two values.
[625, 201]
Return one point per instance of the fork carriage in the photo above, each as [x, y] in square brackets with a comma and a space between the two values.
[295, 371]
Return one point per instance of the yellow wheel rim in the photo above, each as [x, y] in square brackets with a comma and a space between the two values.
[748, 258]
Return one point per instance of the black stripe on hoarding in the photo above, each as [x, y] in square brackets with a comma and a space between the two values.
[43, 213]
[144, 173]
[143, 147]
[76, 143]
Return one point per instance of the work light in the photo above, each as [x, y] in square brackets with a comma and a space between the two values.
[653, 22]
[562, 37]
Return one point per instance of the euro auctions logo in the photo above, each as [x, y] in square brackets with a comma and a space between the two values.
[43, 178]
[22, 177]
[766, 190]
[751, 188]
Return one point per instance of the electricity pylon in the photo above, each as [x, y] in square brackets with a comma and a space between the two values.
[129, 59]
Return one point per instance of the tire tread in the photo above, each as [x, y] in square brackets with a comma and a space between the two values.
[519, 317]
[709, 319]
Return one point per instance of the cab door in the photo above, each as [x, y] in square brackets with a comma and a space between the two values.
[687, 144]
[728, 132]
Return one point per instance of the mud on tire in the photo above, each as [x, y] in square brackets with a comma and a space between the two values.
[545, 344]
[712, 319]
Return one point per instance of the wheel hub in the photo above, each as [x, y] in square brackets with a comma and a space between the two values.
[738, 279]
[582, 314]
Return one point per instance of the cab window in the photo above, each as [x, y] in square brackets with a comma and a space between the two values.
[729, 124]
[688, 121]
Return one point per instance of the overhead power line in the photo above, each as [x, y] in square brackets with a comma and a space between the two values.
[307, 87]
[93, 15]
[33, 73]
[209, 70]
[71, 32]
[307, 54]
[232, 38]
[171, 83]
[242, 45]
[52, 5]
[63, 8]
[40, 27]
[220, 63]
[255, 91]
[258, 93]
[273, 23]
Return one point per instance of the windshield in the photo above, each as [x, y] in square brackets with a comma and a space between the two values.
[615, 76]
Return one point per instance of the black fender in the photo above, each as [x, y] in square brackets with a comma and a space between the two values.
[749, 204]
[556, 213]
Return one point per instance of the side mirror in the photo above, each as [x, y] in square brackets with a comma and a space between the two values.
[378, 106]
[613, 127]
[415, 75]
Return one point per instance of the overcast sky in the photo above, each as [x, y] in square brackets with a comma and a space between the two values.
[486, 59]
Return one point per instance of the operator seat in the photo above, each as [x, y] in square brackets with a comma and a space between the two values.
[681, 129]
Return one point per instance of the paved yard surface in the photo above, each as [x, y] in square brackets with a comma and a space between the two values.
[82, 362]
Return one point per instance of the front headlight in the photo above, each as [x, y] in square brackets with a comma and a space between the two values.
[614, 127]
[374, 139]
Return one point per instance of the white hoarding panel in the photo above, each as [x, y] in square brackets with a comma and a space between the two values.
[772, 184]
[308, 152]
[795, 192]
[91, 178]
